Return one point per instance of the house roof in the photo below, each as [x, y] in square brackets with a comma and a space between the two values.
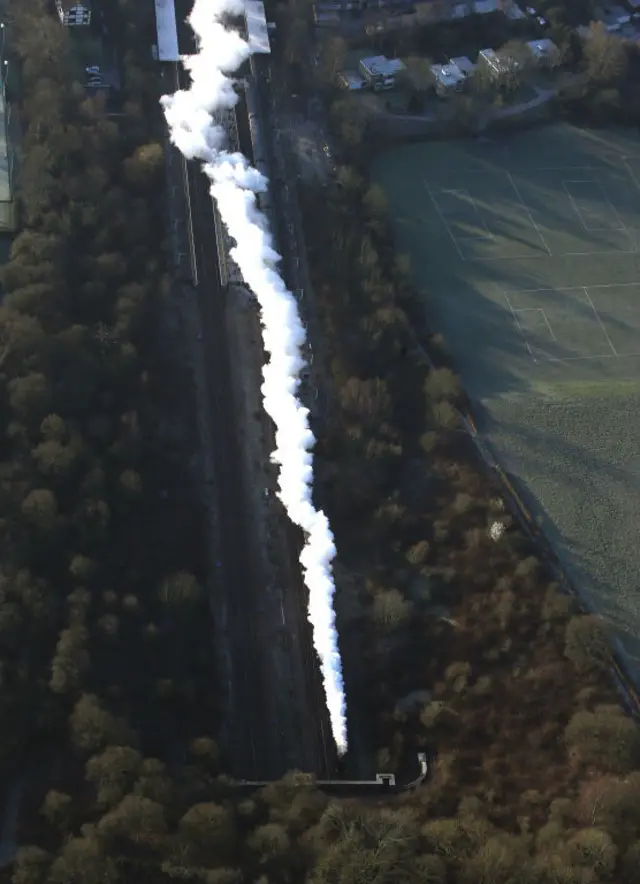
[380, 66]
[67, 5]
[542, 48]
[465, 64]
[448, 74]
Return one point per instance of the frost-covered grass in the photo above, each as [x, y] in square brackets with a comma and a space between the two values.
[541, 316]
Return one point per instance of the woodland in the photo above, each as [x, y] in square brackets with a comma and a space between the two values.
[106, 666]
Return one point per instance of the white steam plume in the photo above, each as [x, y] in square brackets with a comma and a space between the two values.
[234, 184]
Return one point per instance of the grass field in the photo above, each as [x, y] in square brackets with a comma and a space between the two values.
[527, 249]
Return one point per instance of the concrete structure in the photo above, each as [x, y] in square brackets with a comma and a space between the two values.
[166, 31]
[257, 30]
[73, 14]
[449, 78]
[544, 52]
[380, 72]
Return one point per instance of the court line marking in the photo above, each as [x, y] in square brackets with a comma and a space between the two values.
[519, 327]
[446, 226]
[528, 212]
[468, 237]
[600, 322]
[569, 288]
[544, 316]
[532, 255]
[605, 194]
[632, 174]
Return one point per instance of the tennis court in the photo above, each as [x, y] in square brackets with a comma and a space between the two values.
[526, 247]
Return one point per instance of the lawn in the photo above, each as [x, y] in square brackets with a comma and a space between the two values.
[526, 247]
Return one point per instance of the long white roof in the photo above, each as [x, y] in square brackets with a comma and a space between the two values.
[257, 31]
[166, 31]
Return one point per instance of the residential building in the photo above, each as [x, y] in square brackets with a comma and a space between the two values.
[352, 16]
[614, 18]
[464, 64]
[498, 65]
[448, 79]
[544, 52]
[380, 72]
[74, 14]
[351, 80]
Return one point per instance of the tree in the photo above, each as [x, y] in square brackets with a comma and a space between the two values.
[205, 751]
[113, 773]
[418, 77]
[390, 610]
[137, 819]
[605, 55]
[146, 164]
[269, 842]
[53, 458]
[130, 482]
[605, 738]
[82, 860]
[368, 400]
[31, 866]
[334, 53]
[57, 809]
[30, 397]
[93, 727]
[40, 509]
[593, 849]
[586, 643]
[207, 830]
[81, 567]
[442, 383]
[70, 661]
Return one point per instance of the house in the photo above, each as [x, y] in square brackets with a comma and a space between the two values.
[614, 18]
[73, 14]
[464, 64]
[495, 63]
[449, 78]
[351, 80]
[545, 52]
[380, 72]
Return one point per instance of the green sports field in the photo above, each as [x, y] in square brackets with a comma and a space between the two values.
[527, 249]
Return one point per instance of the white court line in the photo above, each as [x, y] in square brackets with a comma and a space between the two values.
[441, 216]
[572, 288]
[519, 327]
[544, 316]
[528, 211]
[622, 225]
[600, 356]
[465, 237]
[632, 174]
[600, 322]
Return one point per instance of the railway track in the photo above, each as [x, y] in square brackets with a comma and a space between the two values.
[252, 734]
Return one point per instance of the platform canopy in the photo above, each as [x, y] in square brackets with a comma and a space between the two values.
[257, 31]
[167, 31]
